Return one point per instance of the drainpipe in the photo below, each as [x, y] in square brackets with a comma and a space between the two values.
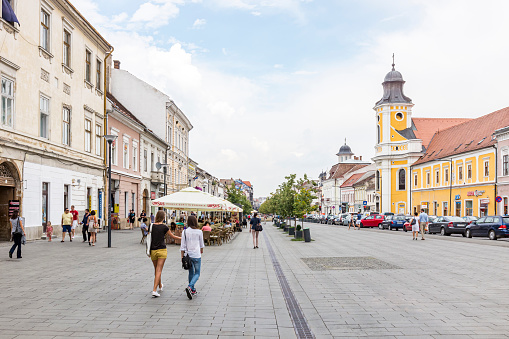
[450, 188]
[106, 199]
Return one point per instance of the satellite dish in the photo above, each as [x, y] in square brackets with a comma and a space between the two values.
[158, 165]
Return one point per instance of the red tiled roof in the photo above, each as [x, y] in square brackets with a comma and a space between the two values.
[340, 169]
[247, 183]
[352, 180]
[426, 127]
[468, 136]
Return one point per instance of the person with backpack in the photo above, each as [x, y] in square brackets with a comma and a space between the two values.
[256, 227]
[192, 245]
[415, 226]
[18, 232]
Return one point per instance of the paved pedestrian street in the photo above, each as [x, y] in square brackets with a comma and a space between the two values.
[346, 284]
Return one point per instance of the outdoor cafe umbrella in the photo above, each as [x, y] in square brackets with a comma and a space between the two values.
[232, 207]
[191, 199]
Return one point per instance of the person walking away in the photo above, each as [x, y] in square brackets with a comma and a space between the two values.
[423, 222]
[192, 245]
[66, 224]
[415, 226]
[84, 226]
[152, 218]
[358, 221]
[158, 252]
[144, 229]
[93, 226]
[75, 215]
[255, 222]
[49, 230]
[18, 232]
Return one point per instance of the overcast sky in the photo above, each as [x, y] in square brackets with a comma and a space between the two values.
[274, 87]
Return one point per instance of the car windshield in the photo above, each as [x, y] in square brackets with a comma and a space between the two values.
[455, 219]
[505, 220]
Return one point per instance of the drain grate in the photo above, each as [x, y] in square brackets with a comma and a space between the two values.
[299, 321]
[347, 263]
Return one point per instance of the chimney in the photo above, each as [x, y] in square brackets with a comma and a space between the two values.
[360, 157]
[116, 64]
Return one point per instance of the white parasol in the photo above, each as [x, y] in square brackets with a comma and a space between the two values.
[191, 199]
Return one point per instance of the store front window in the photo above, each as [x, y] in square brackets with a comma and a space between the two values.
[458, 208]
[469, 210]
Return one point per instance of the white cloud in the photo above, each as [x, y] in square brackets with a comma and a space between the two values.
[256, 13]
[304, 72]
[199, 23]
[156, 13]
[278, 66]
[225, 52]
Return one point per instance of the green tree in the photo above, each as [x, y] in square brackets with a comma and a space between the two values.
[236, 196]
[304, 197]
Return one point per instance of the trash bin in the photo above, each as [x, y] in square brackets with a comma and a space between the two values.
[307, 235]
[291, 231]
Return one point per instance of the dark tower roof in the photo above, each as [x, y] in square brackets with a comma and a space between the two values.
[345, 150]
[393, 89]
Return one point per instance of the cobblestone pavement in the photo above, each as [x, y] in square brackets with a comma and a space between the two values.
[425, 289]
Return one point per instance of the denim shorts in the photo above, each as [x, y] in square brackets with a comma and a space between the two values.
[66, 228]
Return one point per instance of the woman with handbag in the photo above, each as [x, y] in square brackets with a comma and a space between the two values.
[415, 226]
[93, 226]
[18, 231]
[158, 252]
[256, 227]
[191, 250]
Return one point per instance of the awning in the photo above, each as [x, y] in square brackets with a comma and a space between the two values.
[8, 13]
[191, 199]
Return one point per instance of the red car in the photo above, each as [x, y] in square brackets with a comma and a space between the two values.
[372, 220]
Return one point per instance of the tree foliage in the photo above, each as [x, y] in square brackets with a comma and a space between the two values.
[235, 196]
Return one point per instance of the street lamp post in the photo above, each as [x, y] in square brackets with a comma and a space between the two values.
[109, 139]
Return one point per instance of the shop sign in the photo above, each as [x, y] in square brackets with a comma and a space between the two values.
[484, 201]
[457, 197]
[152, 195]
[424, 204]
[13, 206]
[475, 193]
[100, 205]
[365, 203]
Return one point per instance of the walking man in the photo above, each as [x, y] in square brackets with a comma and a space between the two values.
[423, 222]
[66, 224]
[74, 220]
[84, 226]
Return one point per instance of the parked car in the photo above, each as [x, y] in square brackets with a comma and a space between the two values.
[322, 219]
[408, 227]
[393, 222]
[493, 227]
[372, 220]
[345, 219]
[470, 219]
[448, 225]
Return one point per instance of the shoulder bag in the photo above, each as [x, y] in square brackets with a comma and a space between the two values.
[186, 260]
[96, 224]
[18, 228]
[258, 227]
[148, 241]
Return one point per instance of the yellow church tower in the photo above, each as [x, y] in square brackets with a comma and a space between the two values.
[397, 147]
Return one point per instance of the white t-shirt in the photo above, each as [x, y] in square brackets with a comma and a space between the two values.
[415, 226]
[192, 242]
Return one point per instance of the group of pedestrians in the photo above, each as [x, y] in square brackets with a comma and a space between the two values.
[89, 223]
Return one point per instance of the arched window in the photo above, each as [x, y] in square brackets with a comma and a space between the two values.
[377, 181]
[378, 133]
[402, 179]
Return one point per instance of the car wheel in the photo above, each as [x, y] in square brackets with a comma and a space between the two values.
[404, 229]
[380, 226]
[361, 225]
[492, 235]
[468, 234]
[442, 231]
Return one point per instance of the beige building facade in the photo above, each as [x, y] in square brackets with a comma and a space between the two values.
[52, 80]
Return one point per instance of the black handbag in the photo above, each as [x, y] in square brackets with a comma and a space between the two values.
[186, 260]
[258, 226]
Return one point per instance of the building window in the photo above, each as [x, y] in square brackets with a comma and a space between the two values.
[88, 135]
[66, 196]
[469, 208]
[169, 135]
[145, 160]
[98, 73]
[399, 116]
[506, 206]
[133, 201]
[126, 203]
[505, 165]
[415, 179]
[460, 173]
[446, 173]
[427, 178]
[44, 120]
[487, 168]
[126, 155]
[152, 161]
[469, 171]
[378, 134]
[98, 140]
[135, 157]
[67, 48]
[45, 32]
[377, 181]
[437, 177]
[445, 206]
[88, 61]
[114, 155]
[402, 179]
[66, 126]
[7, 101]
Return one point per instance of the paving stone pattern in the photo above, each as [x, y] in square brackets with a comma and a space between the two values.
[347, 263]
[445, 288]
